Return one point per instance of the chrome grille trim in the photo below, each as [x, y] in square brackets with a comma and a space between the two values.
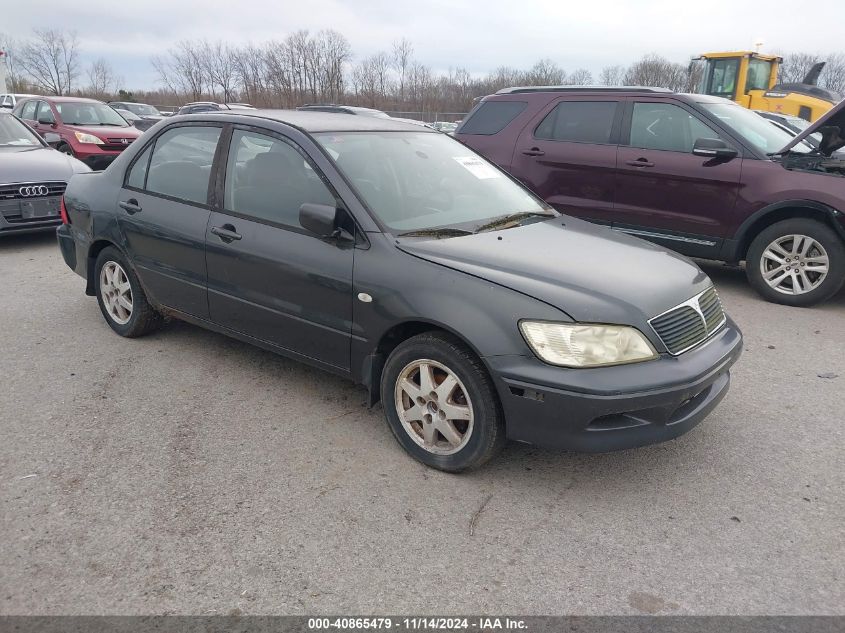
[690, 323]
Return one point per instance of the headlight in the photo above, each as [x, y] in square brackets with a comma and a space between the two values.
[585, 344]
[82, 137]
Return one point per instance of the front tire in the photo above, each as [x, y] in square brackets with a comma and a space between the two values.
[122, 300]
[441, 404]
[796, 262]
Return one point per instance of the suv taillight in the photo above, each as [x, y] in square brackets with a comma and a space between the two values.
[63, 211]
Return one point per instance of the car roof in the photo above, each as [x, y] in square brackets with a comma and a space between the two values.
[317, 121]
[66, 99]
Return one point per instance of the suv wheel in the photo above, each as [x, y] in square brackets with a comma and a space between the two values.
[121, 298]
[440, 403]
[797, 262]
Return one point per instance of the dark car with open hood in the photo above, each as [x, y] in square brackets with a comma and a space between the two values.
[397, 257]
[698, 174]
[33, 177]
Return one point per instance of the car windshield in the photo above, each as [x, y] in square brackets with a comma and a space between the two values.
[142, 109]
[421, 180]
[85, 113]
[13, 133]
[761, 134]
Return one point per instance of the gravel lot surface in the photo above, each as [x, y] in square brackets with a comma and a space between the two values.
[189, 473]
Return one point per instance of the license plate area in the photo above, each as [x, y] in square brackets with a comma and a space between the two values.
[43, 208]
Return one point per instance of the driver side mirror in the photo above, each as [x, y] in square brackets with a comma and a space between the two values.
[43, 120]
[713, 148]
[324, 221]
[52, 139]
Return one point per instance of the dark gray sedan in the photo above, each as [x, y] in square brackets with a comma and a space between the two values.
[397, 257]
[33, 177]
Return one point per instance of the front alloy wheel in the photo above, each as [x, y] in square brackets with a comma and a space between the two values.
[434, 408]
[794, 264]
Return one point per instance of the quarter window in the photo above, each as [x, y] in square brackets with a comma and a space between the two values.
[268, 179]
[138, 174]
[581, 121]
[667, 127]
[492, 117]
[181, 163]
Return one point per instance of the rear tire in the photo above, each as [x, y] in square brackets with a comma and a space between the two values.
[122, 300]
[441, 404]
[796, 262]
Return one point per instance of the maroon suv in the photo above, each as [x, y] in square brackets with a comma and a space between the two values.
[698, 174]
[90, 130]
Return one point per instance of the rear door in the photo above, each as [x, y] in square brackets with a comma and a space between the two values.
[268, 278]
[164, 210]
[665, 192]
[567, 155]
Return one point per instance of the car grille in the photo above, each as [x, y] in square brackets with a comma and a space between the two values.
[116, 144]
[12, 192]
[694, 321]
[17, 208]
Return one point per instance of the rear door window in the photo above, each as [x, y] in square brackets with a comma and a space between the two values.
[579, 121]
[492, 117]
[180, 166]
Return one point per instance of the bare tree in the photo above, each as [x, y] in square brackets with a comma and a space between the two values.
[581, 77]
[401, 60]
[833, 75]
[182, 70]
[657, 71]
[51, 60]
[101, 79]
[249, 72]
[545, 73]
[218, 64]
[612, 75]
[795, 66]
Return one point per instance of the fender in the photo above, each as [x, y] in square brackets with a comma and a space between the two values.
[732, 248]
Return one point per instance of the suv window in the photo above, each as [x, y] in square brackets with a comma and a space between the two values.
[44, 112]
[667, 127]
[181, 162]
[492, 117]
[582, 121]
[28, 110]
[268, 179]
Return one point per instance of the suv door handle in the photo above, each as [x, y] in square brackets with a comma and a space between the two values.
[226, 233]
[534, 151]
[130, 206]
[640, 162]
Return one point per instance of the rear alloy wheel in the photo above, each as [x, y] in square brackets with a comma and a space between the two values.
[441, 404]
[796, 262]
[121, 298]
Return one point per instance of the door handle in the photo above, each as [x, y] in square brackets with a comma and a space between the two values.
[226, 233]
[534, 151]
[640, 162]
[130, 206]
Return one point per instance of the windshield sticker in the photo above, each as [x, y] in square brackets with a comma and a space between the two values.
[477, 167]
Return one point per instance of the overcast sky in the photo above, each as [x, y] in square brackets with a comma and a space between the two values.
[478, 35]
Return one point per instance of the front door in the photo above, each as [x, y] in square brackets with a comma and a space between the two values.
[567, 156]
[665, 192]
[164, 212]
[267, 277]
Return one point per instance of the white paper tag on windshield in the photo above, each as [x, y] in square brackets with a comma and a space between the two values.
[477, 167]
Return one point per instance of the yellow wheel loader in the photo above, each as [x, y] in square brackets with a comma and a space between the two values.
[750, 79]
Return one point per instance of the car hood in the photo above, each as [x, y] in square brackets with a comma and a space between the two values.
[37, 164]
[590, 272]
[104, 131]
[831, 127]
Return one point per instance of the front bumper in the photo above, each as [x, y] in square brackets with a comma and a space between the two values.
[29, 226]
[614, 408]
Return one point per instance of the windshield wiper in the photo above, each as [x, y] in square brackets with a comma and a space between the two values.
[436, 232]
[514, 218]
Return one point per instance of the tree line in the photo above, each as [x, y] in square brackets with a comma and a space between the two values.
[320, 67]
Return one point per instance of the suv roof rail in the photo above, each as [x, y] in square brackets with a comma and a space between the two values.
[522, 89]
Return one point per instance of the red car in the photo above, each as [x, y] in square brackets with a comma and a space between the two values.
[90, 130]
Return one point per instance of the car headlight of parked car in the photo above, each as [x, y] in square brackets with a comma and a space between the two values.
[82, 137]
[586, 344]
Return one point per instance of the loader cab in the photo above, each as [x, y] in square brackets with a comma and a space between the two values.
[740, 76]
